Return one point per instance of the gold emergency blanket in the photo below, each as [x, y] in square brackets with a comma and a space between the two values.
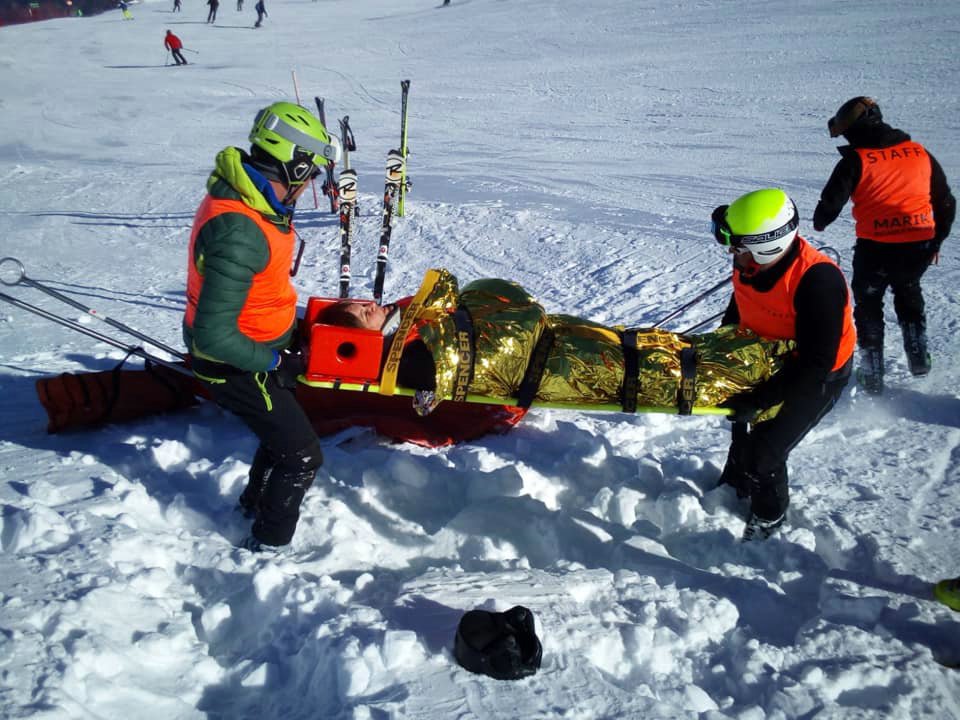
[585, 364]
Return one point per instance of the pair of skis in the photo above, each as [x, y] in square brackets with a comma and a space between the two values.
[343, 196]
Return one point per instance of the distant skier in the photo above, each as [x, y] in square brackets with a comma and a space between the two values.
[261, 12]
[125, 9]
[176, 5]
[212, 15]
[446, 2]
[239, 5]
[173, 44]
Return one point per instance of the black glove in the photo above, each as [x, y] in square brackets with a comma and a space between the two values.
[289, 366]
[745, 407]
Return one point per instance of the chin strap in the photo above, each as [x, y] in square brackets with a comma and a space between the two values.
[260, 181]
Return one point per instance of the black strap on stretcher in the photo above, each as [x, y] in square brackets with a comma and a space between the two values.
[466, 350]
[631, 371]
[535, 368]
[687, 393]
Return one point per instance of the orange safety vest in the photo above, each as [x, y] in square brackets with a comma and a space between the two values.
[772, 314]
[271, 305]
[891, 203]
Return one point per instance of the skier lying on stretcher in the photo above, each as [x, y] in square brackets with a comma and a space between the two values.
[491, 342]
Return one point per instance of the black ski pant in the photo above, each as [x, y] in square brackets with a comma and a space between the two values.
[289, 454]
[757, 461]
[898, 266]
[212, 15]
[178, 56]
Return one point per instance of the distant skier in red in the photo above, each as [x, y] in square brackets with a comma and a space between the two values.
[173, 44]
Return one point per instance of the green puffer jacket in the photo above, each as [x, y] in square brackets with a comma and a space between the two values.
[229, 250]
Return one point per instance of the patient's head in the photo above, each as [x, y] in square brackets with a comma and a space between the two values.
[355, 314]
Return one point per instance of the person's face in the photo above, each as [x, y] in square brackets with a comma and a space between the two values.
[370, 315]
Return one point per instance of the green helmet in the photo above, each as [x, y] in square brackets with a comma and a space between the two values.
[763, 222]
[296, 139]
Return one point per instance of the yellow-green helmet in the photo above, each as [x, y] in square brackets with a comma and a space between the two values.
[763, 222]
[296, 139]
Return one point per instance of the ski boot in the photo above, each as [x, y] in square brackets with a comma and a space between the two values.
[769, 500]
[870, 372]
[735, 469]
[251, 544]
[915, 345]
[948, 592]
[759, 529]
[249, 501]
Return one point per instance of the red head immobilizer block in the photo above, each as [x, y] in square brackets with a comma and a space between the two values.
[348, 355]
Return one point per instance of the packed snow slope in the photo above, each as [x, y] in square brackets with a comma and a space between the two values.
[577, 148]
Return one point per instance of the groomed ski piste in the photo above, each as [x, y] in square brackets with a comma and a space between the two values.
[579, 150]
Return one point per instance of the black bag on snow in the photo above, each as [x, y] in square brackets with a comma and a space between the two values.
[503, 645]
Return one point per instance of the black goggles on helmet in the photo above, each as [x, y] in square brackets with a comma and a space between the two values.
[721, 229]
[301, 169]
[728, 238]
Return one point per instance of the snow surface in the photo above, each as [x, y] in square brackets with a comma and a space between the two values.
[577, 148]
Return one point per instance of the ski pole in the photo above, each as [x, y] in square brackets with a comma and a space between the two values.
[686, 306]
[195, 52]
[130, 349]
[20, 278]
[166, 59]
[702, 323]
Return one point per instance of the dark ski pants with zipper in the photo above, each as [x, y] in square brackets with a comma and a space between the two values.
[289, 454]
[897, 266]
[757, 460]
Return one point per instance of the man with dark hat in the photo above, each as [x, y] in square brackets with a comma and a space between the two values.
[240, 319]
[903, 209]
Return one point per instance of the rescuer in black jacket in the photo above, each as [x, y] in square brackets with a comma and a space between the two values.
[903, 209]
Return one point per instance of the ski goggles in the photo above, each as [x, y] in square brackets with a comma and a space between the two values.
[301, 169]
[721, 229]
[330, 151]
